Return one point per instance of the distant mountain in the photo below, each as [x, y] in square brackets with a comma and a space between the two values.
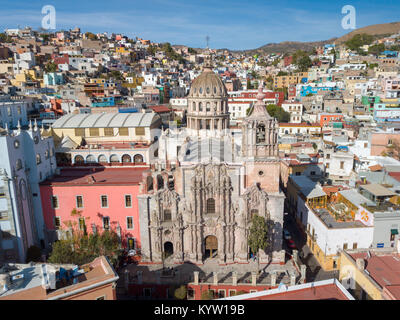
[375, 30]
[289, 46]
[384, 29]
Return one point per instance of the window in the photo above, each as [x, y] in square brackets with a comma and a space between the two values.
[54, 202]
[232, 293]
[341, 164]
[94, 132]
[104, 202]
[57, 223]
[221, 293]
[167, 215]
[344, 246]
[108, 132]
[210, 206]
[129, 222]
[82, 225]
[38, 159]
[79, 201]
[123, 131]
[147, 292]
[128, 201]
[139, 131]
[79, 132]
[106, 223]
[131, 243]
[327, 165]
[355, 245]
[328, 155]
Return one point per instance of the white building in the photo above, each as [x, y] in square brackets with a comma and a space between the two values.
[295, 109]
[27, 159]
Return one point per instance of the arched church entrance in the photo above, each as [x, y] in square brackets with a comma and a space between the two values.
[168, 249]
[210, 247]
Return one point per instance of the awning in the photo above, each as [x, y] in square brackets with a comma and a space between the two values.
[394, 231]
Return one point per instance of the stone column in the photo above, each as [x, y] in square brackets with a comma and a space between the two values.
[292, 278]
[215, 278]
[303, 272]
[234, 278]
[273, 279]
[253, 278]
[196, 277]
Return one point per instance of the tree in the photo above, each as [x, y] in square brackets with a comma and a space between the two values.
[181, 292]
[258, 236]
[358, 41]
[376, 49]
[5, 38]
[207, 295]
[278, 113]
[51, 67]
[79, 247]
[302, 60]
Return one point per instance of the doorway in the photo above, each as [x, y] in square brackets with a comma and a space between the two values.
[210, 247]
[168, 249]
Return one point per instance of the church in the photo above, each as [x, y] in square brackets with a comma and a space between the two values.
[197, 200]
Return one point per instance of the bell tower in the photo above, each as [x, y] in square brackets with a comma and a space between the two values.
[260, 132]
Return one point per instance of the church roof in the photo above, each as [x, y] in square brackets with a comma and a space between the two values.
[208, 85]
[208, 149]
[105, 120]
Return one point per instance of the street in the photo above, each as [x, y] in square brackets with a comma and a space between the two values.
[314, 271]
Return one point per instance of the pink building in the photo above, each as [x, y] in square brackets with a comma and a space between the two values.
[106, 197]
[382, 142]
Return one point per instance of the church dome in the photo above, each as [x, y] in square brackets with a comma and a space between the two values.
[208, 85]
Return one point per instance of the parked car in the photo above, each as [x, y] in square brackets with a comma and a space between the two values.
[286, 234]
[290, 243]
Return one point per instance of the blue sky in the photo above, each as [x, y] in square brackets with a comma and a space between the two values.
[230, 24]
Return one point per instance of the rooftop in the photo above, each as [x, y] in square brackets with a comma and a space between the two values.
[383, 268]
[377, 190]
[330, 289]
[26, 280]
[105, 120]
[328, 219]
[308, 188]
[96, 176]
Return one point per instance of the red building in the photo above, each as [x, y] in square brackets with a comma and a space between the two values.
[106, 198]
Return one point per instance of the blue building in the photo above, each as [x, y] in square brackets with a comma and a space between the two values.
[384, 112]
[53, 79]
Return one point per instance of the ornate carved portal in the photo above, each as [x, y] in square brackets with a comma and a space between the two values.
[209, 223]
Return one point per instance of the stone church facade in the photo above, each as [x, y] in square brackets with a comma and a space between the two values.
[198, 198]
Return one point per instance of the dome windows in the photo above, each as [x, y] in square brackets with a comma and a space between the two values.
[201, 90]
[215, 90]
[208, 90]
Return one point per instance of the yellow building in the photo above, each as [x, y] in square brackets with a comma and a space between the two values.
[20, 78]
[121, 50]
[370, 275]
[286, 81]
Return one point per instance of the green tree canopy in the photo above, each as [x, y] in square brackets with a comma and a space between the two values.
[51, 67]
[181, 292]
[376, 49]
[258, 234]
[302, 60]
[359, 40]
[79, 247]
[207, 295]
[91, 36]
[278, 113]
